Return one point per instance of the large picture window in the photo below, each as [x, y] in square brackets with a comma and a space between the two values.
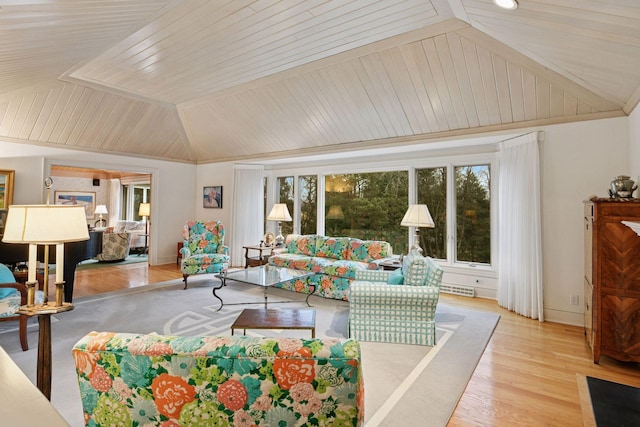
[368, 206]
[285, 195]
[371, 205]
[473, 214]
[432, 191]
[308, 190]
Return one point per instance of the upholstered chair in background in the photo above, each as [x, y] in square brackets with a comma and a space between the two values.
[203, 249]
[397, 307]
[12, 296]
[115, 247]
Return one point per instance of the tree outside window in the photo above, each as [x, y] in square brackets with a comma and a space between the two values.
[473, 214]
[368, 206]
[432, 191]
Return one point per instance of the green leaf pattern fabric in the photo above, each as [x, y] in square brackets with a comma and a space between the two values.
[140, 380]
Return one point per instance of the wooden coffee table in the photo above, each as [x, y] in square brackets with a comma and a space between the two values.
[274, 318]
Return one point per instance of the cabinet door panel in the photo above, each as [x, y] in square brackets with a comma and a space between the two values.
[620, 257]
[621, 315]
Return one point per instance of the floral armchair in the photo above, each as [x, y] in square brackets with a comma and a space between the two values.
[203, 250]
[115, 247]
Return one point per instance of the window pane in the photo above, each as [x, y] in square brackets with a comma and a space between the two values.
[368, 206]
[308, 191]
[432, 191]
[473, 225]
[285, 195]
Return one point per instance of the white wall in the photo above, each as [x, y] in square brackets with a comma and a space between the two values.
[578, 160]
[213, 175]
[173, 191]
[634, 151]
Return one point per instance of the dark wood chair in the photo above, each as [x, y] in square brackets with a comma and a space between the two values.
[10, 303]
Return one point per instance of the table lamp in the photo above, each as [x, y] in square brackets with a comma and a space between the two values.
[100, 210]
[417, 216]
[278, 213]
[45, 225]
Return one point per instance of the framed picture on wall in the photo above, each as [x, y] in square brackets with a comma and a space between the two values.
[212, 197]
[83, 198]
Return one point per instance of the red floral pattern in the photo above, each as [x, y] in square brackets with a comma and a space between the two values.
[171, 393]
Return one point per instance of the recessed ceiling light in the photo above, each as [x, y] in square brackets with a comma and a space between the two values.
[506, 4]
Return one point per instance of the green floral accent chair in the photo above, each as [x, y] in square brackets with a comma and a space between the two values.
[203, 250]
[398, 306]
[154, 380]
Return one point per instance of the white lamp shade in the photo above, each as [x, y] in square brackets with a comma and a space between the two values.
[101, 209]
[279, 212]
[417, 216]
[145, 209]
[45, 224]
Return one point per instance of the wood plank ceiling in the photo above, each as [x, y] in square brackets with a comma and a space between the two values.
[216, 80]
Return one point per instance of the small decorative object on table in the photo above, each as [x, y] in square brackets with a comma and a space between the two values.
[622, 187]
[269, 238]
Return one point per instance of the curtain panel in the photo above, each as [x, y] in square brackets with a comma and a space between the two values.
[247, 223]
[520, 287]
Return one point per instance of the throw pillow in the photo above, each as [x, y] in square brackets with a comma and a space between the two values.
[414, 270]
[396, 277]
[6, 276]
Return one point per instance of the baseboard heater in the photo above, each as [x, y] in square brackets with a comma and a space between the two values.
[465, 291]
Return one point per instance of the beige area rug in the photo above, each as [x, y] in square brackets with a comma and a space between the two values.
[404, 384]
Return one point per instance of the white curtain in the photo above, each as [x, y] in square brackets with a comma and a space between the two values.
[519, 220]
[114, 202]
[248, 210]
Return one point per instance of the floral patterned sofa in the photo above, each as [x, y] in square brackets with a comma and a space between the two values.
[335, 260]
[140, 380]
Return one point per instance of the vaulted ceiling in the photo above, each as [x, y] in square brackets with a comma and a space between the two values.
[203, 81]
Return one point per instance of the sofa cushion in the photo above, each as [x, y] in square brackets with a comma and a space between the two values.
[368, 250]
[296, 261]
[343, 268]
[414, 270]
[396, 277]
[434, 274]
[332, 247]
[6, 276]
[302, 244]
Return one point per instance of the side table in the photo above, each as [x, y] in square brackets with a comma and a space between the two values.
[44, 367]
[392, 264]
[256, 261]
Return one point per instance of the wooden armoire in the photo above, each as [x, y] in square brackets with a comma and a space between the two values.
[612, 278]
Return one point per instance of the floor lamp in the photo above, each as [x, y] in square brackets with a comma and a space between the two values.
[145, 211]
[417, 216]
[278, 213]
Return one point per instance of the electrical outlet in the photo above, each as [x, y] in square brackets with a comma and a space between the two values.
[574, 300]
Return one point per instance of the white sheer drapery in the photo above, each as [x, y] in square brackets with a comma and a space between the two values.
[247, 222]
[114, 202]
[520, 236]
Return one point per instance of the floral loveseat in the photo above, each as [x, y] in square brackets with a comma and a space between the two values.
[141, 380]
[335, 260]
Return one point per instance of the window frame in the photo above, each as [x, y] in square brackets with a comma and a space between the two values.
[426, 160]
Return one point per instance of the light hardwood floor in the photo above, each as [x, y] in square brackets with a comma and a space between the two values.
[526, 377]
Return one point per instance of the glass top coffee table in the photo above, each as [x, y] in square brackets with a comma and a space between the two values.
[265, 276]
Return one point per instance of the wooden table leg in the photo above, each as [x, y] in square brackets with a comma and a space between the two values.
[44, 368]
